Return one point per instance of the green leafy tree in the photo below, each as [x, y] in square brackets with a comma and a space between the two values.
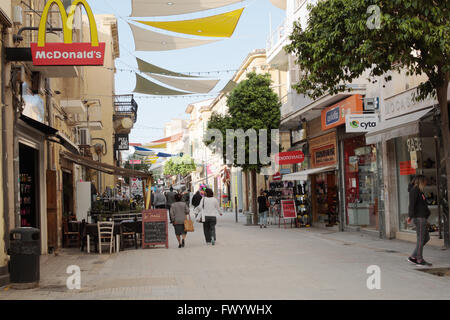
[180, 165]
[251, 105]
[342, 41]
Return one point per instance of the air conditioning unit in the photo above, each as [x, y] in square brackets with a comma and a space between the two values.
[85, 137]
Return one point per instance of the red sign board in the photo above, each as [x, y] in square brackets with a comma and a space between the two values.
[288, 209]
[276, 176]
[68, 54]
[155, 228]
[290, 157]
[135, 161]
[406, 168]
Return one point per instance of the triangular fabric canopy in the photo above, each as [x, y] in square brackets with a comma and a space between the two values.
[229, 87]
[164, 155]
[146, 40]
[144, 66]
[157, 8]
[145, 86]
[143, 151]
[221, 25]
[197, 86]
[162, 143]
[157, 145]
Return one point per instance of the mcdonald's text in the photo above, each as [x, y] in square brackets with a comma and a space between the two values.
[73, 54]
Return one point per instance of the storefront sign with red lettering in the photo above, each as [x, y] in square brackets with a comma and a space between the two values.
[288, 209]
[291, 157]
[406, 168]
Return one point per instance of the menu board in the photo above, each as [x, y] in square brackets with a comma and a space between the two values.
[154, 228]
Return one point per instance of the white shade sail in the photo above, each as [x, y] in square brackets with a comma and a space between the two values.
[198, 86]
[146, 40]
[146, 86]
[157, 8]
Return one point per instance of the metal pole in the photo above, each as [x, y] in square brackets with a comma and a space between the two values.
[235, 208]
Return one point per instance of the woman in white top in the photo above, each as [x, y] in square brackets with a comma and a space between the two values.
[209, 209]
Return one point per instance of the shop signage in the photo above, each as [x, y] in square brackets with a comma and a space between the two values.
[334, 115]
[361, 122]
[288, 209]
[135, 161]
[154, 228]
[407, 168]
[290, 157]
[67, 53]
[276, 176]
[122, 142]
[285, 171]
[323, 150]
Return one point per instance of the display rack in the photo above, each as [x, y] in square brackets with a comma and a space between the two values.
[26, 199]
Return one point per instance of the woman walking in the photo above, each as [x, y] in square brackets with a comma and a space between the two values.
[209, 210]
[418, 213]
[179, 212]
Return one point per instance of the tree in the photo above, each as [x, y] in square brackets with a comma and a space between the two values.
[343, 40]
[181, 165]
[251, 105]
[140, 167]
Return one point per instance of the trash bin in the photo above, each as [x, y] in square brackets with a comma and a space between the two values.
[250, 218]
[24, 251]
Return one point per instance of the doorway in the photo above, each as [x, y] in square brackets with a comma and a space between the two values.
[29, 186]
[67, 194]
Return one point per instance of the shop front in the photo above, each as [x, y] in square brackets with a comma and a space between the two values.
[410, 134]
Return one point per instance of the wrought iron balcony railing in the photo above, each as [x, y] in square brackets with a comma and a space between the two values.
[125, 106]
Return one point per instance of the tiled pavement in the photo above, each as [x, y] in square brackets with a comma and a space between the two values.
[246, 263]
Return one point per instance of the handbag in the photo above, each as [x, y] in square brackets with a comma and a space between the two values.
[188, 225]
[200, 216]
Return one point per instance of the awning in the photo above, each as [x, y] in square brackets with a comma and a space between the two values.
[104, 167]
[146, 86]
[191, 85]
[146, 40]
[50, 133]
[406, 125]
[154, 8]
[144, 66]
[303, 175]
[221, 25]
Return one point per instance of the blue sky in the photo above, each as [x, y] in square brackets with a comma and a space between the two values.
[228, 54]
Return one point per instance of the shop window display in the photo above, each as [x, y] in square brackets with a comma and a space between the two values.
[361, 183]
[417, 155]
[326, 198]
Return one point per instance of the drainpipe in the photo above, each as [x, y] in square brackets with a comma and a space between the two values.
[4, 150]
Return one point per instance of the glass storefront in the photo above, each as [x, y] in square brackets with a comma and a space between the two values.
[361, 184]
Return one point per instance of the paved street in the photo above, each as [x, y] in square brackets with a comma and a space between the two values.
[247, 263]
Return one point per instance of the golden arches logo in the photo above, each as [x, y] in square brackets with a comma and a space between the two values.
[67, 21]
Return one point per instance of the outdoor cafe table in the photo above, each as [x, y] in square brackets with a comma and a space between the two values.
[91, 231]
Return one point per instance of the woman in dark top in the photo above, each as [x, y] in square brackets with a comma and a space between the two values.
[263, 209]
[418, 213]
[179, 212]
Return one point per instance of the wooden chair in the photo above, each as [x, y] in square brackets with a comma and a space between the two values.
[70, 235]
[106, 235]
[128, 233]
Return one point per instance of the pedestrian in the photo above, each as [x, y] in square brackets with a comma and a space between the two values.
[186, 197]
[179, 212]
[152, 197]
[159, 201]
[418, 212]
[170, 197]
[263, 204]
[197, 198]
[208, 211]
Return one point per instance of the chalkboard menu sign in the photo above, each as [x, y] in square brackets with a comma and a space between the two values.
[154, 228]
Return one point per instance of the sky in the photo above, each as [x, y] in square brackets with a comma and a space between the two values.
[228, 54]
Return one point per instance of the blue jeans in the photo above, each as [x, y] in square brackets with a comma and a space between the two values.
[263, 218]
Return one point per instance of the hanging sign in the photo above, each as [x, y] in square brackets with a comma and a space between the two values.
[323, 150]
[135, 161]
[361, 122]
[334, 115]
[122, 142]
[288, 209]
[67, 53]
[291, 157]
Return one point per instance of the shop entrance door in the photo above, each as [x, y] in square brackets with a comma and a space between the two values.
[29, 186]
[67, 199]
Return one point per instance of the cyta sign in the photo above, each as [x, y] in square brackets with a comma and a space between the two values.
[361, 122]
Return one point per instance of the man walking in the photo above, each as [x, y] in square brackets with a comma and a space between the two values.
[170, 198]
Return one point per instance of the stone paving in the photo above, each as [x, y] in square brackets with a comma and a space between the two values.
[246, 263]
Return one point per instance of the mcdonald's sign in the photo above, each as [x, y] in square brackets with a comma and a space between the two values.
[67, 53]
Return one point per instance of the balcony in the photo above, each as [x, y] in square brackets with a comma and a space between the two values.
[277, 40]
[125, 113]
